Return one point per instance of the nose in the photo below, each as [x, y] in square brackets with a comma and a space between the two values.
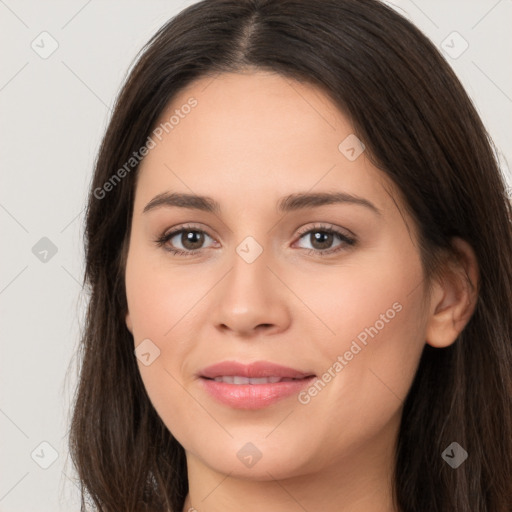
[252, 299]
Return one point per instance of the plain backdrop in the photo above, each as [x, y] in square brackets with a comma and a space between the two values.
[63, 63]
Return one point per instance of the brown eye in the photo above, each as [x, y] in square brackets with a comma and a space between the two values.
[191, 240]
[183, 241]
[321, 240]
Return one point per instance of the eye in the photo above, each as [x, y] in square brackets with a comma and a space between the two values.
[190, 238]
[322, 237]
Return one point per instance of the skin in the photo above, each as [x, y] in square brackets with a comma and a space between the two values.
[252, 138]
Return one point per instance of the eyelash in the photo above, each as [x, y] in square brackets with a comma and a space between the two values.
[347, 240]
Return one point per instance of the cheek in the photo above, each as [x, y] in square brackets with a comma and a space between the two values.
[159, 298]
[163, 304]
[158, 302]
[370, 360]
[374, 298]
[368, 394]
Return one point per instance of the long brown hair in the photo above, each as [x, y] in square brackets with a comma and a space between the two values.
[421, 129]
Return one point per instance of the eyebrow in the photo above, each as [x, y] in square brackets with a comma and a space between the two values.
[292, 202]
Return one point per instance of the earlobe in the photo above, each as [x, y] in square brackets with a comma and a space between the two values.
[454, 297]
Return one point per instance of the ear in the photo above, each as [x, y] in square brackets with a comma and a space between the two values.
[128, 321]
[454, 297]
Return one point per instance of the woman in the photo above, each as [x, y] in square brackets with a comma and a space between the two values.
[228, 366]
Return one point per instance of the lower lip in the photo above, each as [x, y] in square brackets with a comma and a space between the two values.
[253, 396]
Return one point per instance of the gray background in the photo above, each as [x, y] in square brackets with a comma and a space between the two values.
[54, 110]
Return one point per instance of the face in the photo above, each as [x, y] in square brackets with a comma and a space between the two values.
[298, 257]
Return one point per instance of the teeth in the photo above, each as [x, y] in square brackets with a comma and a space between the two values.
[246, 380]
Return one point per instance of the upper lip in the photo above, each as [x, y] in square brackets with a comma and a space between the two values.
[252, 370]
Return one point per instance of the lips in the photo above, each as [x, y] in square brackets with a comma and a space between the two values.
[259, 369]
[252, 386]
[238, 379]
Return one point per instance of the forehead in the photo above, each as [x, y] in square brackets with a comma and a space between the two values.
[253, 109]
[255, 134]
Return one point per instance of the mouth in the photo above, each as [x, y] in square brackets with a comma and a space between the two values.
[252, 386]
[239, 380]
